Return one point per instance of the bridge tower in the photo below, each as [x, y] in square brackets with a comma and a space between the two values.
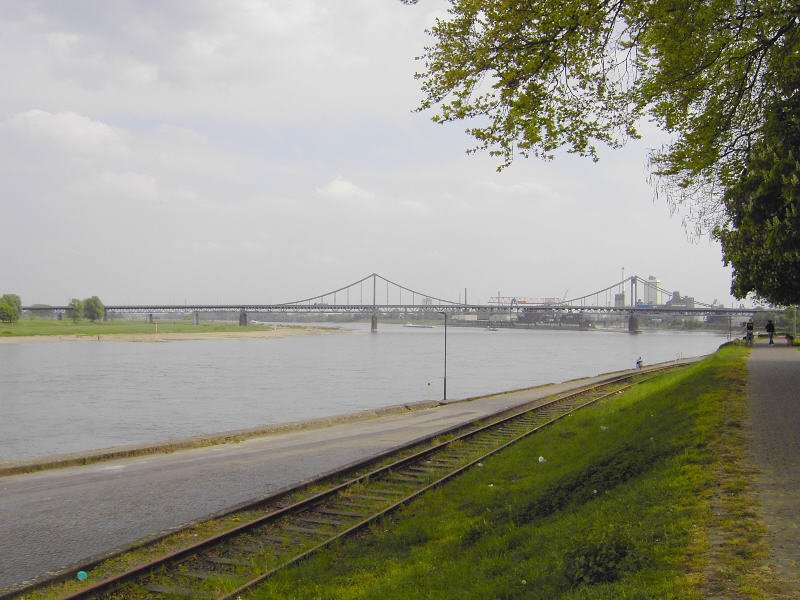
[374, 320]
[242, 318]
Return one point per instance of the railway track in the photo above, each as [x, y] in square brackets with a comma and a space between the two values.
[229, 564]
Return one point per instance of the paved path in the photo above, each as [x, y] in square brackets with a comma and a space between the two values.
[57, 519]
[774, 379]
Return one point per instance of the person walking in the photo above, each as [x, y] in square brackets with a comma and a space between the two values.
[749, 336]
[770, 330]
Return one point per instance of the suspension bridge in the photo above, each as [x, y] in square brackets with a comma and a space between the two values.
[375, 295]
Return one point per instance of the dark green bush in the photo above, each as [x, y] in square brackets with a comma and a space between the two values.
[597, 561]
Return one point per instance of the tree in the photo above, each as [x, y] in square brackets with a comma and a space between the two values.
[531, 77]
[10, 308]
[7, 313]
[762, 239]
[93, 308]
[75, 310]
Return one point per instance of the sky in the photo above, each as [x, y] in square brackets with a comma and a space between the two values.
[195, 151]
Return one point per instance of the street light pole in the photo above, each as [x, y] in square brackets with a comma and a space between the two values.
[444, 393]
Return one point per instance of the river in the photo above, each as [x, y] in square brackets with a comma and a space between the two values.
[80, 395]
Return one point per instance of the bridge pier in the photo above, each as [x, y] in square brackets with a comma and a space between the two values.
[150, 318]
[196, 318]
[374, 323]
[242, 318]
[633, 324]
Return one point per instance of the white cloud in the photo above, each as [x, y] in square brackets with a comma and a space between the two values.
[128, 186]
[415, 208]
[527, 189]
[263, 60]
[342, 189]
[63, 132]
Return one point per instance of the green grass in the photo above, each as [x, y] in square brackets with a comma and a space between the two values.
[27, 327]
[621, 508]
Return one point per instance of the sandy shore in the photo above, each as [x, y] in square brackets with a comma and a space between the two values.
[276, 332]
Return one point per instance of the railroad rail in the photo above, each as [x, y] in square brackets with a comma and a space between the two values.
[228, 565]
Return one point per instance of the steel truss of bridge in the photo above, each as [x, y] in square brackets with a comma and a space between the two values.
[378, 303]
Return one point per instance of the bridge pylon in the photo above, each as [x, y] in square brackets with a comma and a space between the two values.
[373, 324]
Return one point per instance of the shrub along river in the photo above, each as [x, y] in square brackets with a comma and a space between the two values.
[79, 395]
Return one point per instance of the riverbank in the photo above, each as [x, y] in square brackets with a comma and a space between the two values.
[646, 495]
[57, 519]
[278, 331]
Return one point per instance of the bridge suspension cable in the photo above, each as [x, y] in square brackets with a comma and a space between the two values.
[374, 277]
[634, 281]
[582, 299]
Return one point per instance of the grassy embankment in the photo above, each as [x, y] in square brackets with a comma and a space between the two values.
[34, 327]
[644, 496]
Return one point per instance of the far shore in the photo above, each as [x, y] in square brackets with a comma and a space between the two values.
[278, 331]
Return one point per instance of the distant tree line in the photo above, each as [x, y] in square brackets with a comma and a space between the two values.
[90, 308]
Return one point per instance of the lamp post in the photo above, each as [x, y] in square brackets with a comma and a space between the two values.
[444, 393]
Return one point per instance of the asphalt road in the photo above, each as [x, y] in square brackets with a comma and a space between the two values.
[55, 520]
[774, 399]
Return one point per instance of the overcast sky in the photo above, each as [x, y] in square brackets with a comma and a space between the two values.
[263, 151]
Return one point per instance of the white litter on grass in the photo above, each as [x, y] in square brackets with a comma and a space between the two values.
[542, 459]
[603, 428]
[480, 464]
[491, 485]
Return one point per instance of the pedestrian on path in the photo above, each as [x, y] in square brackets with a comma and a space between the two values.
[770, 330]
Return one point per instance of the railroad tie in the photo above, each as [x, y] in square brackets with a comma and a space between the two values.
[174, 591]
[368, 497]
[276, 539]
[420, 470]
[403, 479]
[232, 562]
[448, 465]
[200, 574]
[386, 492]
[359, 506]
[305, 530]
[320, 520]
[484, 443]
[341, 513]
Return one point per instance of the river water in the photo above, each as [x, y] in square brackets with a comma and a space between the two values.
[79, 395]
